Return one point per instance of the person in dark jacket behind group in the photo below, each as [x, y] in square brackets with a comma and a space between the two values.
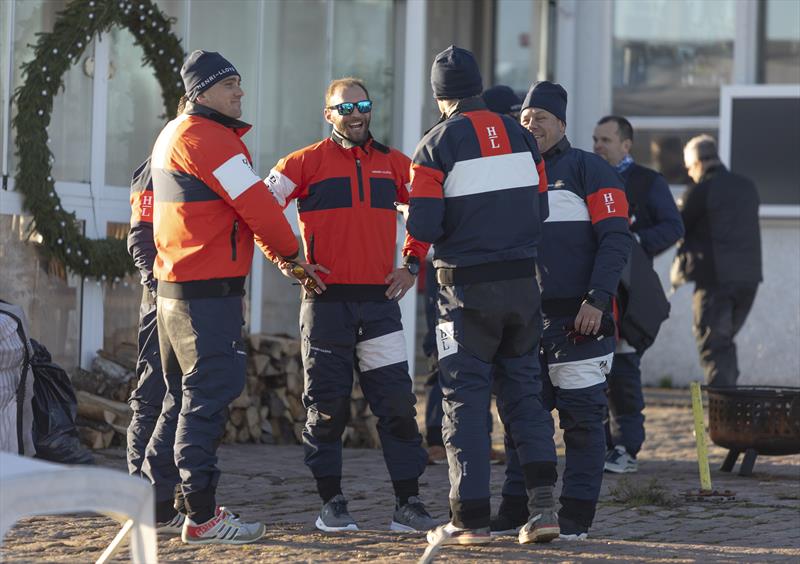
[656, 225]
[209, 207]
[478, 193]
[721, 254]
[584, 248]
[345, 187]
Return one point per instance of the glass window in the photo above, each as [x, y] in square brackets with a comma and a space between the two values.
[5, 10]
[516, 51]
[368, 55]
[121, 307]
[71, 117]
[51, 303]
[135, 106]
[663, 150]
[293, 78]
[671, 56]
[780, 51]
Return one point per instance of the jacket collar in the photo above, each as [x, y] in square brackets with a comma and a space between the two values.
[712, 171]
[472, 104]
[561, 147]
[195, 109]
[369, 144]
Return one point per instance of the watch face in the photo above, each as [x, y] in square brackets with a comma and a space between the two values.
[413, 268]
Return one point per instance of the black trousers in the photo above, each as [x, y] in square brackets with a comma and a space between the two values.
[719, 314]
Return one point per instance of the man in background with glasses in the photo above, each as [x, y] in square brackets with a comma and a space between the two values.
[346, 187]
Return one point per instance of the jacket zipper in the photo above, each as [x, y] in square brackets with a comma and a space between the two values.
[360, 182]
[234, 233]
[311, 250]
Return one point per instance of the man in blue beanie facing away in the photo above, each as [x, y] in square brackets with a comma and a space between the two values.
[585, 245]
[478, 193]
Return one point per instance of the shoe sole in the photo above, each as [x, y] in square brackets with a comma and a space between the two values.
[573, 538]
[323, 527]
[617, 470]
[469, 541]
[543, 534]
[169, 531]
[400, 528]
[506, 533]
[224, 541]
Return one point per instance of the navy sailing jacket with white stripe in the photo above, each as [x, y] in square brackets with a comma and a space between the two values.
[586, 240]
[478, 190]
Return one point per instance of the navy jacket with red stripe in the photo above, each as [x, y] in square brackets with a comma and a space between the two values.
[478, 189]
[586, 240]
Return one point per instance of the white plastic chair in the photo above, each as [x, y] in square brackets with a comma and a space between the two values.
[32, 487]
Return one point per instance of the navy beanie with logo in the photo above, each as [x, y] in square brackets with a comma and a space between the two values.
[455, 75]
[501, 99]
[547, 96]
[202, 70]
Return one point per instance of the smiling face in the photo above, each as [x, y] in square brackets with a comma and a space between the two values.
[546, 128]
[355, 126]
[224, 97]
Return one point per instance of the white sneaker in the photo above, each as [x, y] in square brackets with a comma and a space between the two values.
[619, 461]
[172, 527]
[223, 528]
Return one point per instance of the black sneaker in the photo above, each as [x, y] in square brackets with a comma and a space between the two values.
[571, 531]
[504, 524]
[334, 516]
[412, 517]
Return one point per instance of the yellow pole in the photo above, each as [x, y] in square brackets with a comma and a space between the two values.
[700, 437]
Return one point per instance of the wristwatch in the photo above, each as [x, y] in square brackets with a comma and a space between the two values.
[412, 264]
[597, 299]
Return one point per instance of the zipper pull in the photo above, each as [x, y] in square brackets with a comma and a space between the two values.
[360, 330]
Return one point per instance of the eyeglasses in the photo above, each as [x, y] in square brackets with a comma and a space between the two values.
[346, 108]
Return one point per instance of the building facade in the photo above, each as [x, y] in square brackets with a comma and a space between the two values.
[661, 63]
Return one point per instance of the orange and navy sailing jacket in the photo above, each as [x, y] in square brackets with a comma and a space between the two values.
[140, 238]
[345, 203]
[209, 205]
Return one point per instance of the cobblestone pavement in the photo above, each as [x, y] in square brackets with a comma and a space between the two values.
[271, 484]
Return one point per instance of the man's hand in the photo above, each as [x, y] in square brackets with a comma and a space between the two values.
[403, 209]
[399, 282]
[588, 320]
[305, 273]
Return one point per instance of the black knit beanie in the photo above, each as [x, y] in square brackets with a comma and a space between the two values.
[202, 70]
[455, 75]
[547, 96]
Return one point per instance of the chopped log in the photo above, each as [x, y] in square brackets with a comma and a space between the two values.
[111, 369]
[236, 416]
[101, 409]
[230, 433]
[243, 435]
[124, 360]
[260, 363]
[243, 401]
[94, 434]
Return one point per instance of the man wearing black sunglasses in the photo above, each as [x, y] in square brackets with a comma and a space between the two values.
[345, 187]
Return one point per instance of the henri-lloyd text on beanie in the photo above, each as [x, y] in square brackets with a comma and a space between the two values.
[547, 96]
[455, 75]
[202, 70]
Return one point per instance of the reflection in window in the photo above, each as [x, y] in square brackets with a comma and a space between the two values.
[671, 56]
[135, 108]
[780, 50]
[516, 44]
[51, 303]
[71, 117]
[663, 151]
[367, 54]
[121, 301]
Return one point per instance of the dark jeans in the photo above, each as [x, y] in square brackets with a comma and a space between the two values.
[146, 399]
[719, 314]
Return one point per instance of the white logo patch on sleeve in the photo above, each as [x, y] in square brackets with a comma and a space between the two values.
[236, 175]
[445, 339]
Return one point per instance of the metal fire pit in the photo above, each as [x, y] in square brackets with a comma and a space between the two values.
[754, 420]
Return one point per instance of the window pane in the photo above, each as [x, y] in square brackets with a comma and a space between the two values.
[367, 54]
[671, 56]
[663, 151]
[231, 28]
[51, 304]
[781, 49]
[291, 109]
[5, 10]
[71, 117]
[121, 307]
[515, 62]
[135, 107]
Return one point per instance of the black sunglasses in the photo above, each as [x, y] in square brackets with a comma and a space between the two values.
[346, 108]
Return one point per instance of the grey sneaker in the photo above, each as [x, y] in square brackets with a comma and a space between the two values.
[619, 461]
[412, 517]
[224, 528]
[542, 527]
[334, 516]
[172, 527]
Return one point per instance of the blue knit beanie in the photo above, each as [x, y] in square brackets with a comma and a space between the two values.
[455, 75]
[501, 99]
[202, 70]
[547, 96]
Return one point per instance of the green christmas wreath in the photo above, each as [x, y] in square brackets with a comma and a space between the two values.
[56, 52]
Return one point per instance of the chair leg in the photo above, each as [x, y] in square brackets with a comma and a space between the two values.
[144, 544]
[730, 460]
[749, 460]
[112, 548]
